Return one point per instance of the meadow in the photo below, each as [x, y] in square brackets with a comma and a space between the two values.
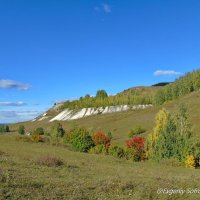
[86, 176]
[31, 170]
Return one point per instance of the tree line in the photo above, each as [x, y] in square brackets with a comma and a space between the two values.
[186, 84]
[102, 99]
[142, 95]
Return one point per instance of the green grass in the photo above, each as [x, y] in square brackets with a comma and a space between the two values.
[85, 176]
[121, 123]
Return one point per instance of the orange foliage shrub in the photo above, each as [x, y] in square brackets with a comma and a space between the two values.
[101, 138]
[37, 138]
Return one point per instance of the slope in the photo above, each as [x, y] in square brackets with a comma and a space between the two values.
[121, 123]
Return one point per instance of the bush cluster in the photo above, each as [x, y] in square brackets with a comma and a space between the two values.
[136, 144]
[190, 161]
[116, 151]
[57, 131]
[38, 131]
[21, 130]
[170, 140]
[98, 149]
[37, 138]
[81, 139]
[136, 131]
[4, 129]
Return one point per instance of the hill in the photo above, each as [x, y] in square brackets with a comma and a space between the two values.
[122, 122]
[26, 171]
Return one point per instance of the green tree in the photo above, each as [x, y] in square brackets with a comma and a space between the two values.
[7, 128]
[184, 85]
[21, 130]
[39, 131]
[182, 122]
[4, 129]
[160, 123]
[171, 136]
[57, 130]
[81, 139]
[101, 94]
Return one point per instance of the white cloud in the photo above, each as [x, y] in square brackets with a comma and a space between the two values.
[11, 84]
[106, 8]
[7, 103]
[11, 116]
[166, 73]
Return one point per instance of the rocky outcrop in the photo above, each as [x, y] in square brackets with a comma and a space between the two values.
[68, 115]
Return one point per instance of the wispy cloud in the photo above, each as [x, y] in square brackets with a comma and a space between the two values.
[166, 73]
[10, 116]
[104, 7]
[7, 103]
[11, 84]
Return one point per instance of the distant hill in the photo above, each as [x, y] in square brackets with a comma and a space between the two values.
[183, 90]
[162, 84]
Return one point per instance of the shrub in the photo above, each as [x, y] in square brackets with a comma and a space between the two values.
[4, 129]
[100, 138]
[137, 144]
[116, 151]
[99, 149]
[57, 131]
[190, 161]
[81, 139]
[110, 135]
[196, 151]
[21, 130]
[137, 131]
[47, 133]
[68, 136]
[129, 154]
[37, 138]
[49, 161]
[39, 131]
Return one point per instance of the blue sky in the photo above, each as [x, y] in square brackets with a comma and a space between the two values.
[51, 50]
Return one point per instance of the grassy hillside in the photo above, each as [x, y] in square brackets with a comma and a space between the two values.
[83, 178]
[121, 123]
[86, 176]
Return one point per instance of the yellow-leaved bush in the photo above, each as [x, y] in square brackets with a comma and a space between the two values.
[190, 161]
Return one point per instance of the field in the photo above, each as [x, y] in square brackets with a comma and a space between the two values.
[86, 176]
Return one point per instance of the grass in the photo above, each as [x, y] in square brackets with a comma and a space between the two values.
[97, 177]
[49, 161]
[121, 123]
[85, 176]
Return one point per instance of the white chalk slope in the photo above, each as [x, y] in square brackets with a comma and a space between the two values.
[68, 115]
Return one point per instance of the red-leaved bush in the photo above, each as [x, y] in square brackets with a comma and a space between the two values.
[137, 144]
[101, 138]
